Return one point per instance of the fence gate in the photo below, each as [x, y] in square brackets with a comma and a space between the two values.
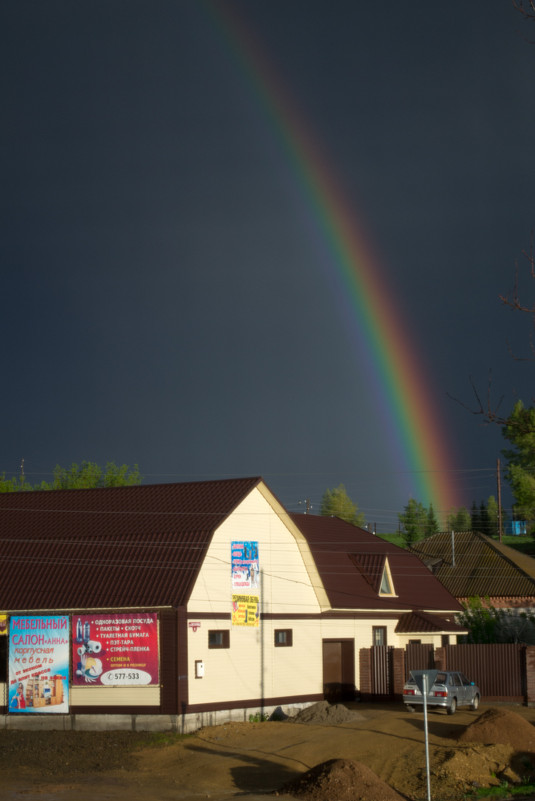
[382, 674]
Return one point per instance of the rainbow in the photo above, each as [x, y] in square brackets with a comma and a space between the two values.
[417, 437]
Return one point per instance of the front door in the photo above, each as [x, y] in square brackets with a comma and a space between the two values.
[339, 670]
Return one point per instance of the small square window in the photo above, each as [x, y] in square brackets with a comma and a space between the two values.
[283, 638]
[219, 638]
[379, 635]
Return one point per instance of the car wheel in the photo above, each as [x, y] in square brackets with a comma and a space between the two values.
[475, 703]
[452, 707]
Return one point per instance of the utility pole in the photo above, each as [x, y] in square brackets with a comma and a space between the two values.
[500, 529]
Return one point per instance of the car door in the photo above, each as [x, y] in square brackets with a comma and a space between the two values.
[457, 688]
[468, 689]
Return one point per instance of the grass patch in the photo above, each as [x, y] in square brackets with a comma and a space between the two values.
[395, 539]
[504, 791]
[161, 739]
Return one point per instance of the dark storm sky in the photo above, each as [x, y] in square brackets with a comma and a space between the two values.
[162, 303]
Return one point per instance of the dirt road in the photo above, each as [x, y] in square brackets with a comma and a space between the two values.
[251, 759]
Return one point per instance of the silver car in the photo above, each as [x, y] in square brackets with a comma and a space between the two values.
[446, 688]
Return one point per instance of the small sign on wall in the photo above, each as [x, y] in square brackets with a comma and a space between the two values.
[245, 610]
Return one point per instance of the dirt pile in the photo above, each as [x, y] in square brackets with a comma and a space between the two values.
[499, 746]
[500, 726]
[340, 779]
[324, 713]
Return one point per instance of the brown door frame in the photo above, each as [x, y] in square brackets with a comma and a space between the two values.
[341, 684]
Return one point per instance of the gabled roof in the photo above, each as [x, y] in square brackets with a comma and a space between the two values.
[471, 564]
[350, 561]
[112, 547]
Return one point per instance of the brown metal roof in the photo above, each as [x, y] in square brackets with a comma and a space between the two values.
[423, 623]
[371, 566]
[113, 547]
[350, 560]
[472, 564]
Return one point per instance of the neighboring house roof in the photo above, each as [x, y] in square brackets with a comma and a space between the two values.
[110, 547]
[470, 564]
[351, 560]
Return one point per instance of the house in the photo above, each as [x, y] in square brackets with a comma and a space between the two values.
[183, 605]
[470, 564]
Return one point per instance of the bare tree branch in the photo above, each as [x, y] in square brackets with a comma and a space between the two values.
[525, 7]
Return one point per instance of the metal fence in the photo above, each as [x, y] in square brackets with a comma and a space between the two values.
[501, 671]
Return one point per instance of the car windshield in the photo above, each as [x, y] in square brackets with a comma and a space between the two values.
[441, 678]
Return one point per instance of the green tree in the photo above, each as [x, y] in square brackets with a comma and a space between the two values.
[89, 474]
[492, 517]
[431, 523]
[488, 624]
[84, 476]
[413, 521]
[337, 503]
[484, 520]
[459, 519]
[520, 431]
[9, 484]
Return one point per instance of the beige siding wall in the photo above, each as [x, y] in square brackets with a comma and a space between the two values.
[253, 667]
[425, 639]
[286, 585]
[114, 696]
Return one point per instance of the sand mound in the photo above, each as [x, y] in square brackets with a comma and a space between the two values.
[500, 726]
[343, 780]
[325, 713]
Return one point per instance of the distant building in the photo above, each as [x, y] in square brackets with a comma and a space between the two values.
[471, 565]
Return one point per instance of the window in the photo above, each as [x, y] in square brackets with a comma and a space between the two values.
[415, 642]
[379, 635]
[219, 638]
[387, 585]
[283, 638]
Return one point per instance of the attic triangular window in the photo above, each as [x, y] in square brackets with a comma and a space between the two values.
[376, 570]
[385, 589]
[387, 586]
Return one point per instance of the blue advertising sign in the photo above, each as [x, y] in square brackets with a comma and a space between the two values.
[245, 566]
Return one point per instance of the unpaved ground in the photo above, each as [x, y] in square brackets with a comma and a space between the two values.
[354, 753]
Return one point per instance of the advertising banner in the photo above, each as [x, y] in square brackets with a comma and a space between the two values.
[39, 664]
[118, 650]
[245, 610]
[245, 566]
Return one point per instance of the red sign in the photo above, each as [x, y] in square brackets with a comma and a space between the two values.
[115, 649]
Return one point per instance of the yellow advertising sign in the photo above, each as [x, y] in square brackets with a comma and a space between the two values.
[3, 625]
[245, 610]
